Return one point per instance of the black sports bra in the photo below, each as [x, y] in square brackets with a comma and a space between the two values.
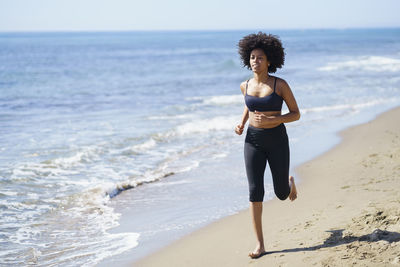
[271, 102]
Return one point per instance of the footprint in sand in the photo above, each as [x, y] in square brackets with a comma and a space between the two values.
[308, 224]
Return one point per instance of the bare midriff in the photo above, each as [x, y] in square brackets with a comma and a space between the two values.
[264, 125]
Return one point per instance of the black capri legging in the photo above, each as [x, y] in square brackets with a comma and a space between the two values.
[262, 145]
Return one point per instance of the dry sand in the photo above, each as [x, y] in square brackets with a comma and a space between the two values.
[347, 212]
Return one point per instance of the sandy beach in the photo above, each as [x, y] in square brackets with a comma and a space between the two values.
[347, 212]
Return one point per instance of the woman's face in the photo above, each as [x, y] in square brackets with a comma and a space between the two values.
[258, 61]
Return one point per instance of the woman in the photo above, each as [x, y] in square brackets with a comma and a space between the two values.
[266, 138]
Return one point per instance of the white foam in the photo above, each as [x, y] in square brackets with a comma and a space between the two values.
[35, 170]
[220, 155]
[116, 244]
[224, 100]
[170, 117]
[170, 165]
[21, 171]
[188, 167]
[366, 63]
[69, 161]
[90, 211]
[80, 219]
[144, 146]
[206, 125]
[353, 107]
[83, 154]
[9, 193]
[219, 100]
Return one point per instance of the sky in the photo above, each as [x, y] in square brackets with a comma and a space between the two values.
[126, 15]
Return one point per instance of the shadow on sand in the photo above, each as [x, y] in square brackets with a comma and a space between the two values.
[336, 239]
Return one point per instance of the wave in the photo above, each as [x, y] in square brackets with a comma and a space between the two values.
[85, 201]
[82, 155]
[207, 125]
[116, 189]
[218, 123]
[224, 100]
[163, 148]
[64, 230]
[171, 117]
[144, 146]
[169, 166]
[219, 100]
[366, 63]
[168, 52]
[354, 107]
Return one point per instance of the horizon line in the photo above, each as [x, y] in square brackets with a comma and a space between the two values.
[198, 30]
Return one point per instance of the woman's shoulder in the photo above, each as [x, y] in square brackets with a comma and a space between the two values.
[282, 87]
[243, 86]
[280, 82]
[278, 79]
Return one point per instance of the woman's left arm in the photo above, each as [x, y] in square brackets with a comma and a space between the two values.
[290, 100]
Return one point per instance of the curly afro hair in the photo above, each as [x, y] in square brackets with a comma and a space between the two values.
[270, 44]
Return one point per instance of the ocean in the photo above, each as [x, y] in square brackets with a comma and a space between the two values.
[114, 144]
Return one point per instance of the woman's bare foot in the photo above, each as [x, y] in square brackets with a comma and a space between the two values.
[293, 191]
[258, 252]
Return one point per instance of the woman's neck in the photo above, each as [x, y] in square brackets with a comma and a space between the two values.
[261, 77]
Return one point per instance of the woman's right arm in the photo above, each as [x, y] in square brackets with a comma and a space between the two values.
[245, 116]
[240, 127]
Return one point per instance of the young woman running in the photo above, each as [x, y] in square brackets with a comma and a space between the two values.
[266, 138]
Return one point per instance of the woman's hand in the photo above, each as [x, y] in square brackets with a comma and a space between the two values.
[261, 118]
[239, 129]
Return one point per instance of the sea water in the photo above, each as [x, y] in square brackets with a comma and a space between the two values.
[92, 122]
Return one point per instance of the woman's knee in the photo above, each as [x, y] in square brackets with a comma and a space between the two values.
[282, 194]
[256, 194]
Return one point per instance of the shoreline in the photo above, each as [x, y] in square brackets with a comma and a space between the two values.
[326, 232]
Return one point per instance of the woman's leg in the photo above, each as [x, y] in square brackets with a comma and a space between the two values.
[293, 190]
[256, 162]
[279, 160]
[256, 214]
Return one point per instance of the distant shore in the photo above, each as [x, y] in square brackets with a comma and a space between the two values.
[347, 212]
